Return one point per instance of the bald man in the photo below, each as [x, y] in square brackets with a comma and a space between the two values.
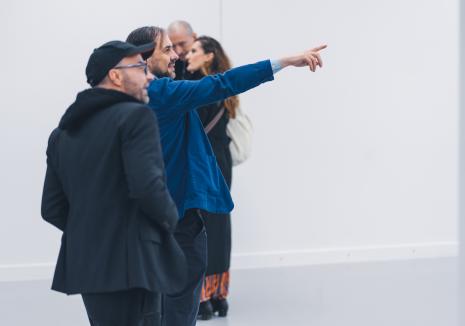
[182, 36]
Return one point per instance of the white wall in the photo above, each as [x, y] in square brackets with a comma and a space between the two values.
[362, 154]
[461, 302]
[358, 159]
[45, 48]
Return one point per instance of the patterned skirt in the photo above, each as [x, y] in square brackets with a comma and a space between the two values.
[215, 286]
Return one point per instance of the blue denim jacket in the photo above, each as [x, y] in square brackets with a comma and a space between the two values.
[193, 176]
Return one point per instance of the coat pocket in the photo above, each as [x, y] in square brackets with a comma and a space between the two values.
[150, 232]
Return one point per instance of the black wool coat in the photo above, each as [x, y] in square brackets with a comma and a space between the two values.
[105, 189]
[218, 226]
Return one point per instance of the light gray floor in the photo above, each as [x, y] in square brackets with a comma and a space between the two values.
[403, 293]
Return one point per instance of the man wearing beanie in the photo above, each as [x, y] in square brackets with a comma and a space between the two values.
[105, 189]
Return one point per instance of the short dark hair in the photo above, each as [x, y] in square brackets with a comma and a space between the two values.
[144, 35]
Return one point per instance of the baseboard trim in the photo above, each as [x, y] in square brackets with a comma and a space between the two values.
[273, 259]
[26, 272]
[343, 255]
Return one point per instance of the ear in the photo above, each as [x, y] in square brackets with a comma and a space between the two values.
[210, 56]
[194, 35]
[115, 77]
[150, 60]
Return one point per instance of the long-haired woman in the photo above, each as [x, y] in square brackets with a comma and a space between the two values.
[208, 57]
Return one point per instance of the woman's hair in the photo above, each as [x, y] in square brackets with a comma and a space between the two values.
[220, 63]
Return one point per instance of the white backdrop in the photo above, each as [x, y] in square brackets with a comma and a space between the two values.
[461, 302]
[359, 159]
[355, 162]
[46, 47]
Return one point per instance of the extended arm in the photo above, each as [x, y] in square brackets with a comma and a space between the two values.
[168, 96]
[185, 95]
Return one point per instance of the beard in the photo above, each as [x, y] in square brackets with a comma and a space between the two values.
[161, 73]
[145, 96]
[136, 91]
[139, 94]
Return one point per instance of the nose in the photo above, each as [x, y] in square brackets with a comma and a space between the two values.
[177, 49]
[174, 56]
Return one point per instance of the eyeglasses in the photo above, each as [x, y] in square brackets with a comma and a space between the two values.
[135, 65]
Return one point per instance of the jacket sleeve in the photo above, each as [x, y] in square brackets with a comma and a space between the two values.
[55, 206]
[184, 95]
[144, 168]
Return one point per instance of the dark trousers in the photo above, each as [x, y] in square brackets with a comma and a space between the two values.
[181, 308]
[135, 307]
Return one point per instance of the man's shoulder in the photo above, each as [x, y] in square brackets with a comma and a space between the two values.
[52, 139]
[125, 110]
[134, 113]
[128, 107]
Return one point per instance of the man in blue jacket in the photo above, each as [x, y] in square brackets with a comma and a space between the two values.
[193, 176]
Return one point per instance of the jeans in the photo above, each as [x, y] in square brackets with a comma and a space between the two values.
[181, 309]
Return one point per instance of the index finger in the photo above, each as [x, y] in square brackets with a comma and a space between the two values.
[321, 47]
